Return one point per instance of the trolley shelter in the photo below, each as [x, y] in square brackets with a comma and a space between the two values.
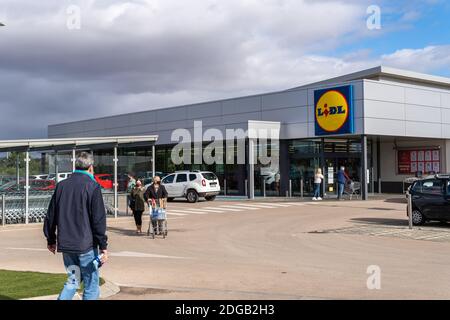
[41, 163]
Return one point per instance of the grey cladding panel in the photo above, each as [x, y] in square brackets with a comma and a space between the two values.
[172, 114]
[285, 100]
[143, 118]
[237, 118]
[204, 110]
[250, 104]
[288, 115]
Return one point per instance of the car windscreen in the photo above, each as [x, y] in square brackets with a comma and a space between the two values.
[209, 176]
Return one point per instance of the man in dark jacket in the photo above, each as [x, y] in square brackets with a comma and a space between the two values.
[76, 226]
[342, 179]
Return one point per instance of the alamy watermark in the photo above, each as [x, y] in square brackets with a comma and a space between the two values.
[73, 21]
[374, 280]
[373, 22]
[190, 147]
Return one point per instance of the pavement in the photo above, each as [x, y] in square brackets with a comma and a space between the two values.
[264, 249]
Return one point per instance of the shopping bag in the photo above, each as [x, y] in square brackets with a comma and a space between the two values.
[158, 213]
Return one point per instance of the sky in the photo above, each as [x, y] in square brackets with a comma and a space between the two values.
[68, 60]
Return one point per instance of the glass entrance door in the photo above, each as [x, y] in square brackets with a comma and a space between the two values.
[333, 163]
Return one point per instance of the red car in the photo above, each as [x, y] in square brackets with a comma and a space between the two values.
[104, 180]
[35, 185]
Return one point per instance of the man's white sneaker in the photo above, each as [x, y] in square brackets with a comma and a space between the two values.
[319, 198]
[314, 199]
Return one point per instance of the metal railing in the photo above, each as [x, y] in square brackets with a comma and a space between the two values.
[13, 206]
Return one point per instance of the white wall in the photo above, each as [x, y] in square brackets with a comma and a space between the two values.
[405, 110]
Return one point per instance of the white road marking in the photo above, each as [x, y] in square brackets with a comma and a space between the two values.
[225, 209]
[239, 207]
[260, 206]
[295, 203]
[277, 204]
[123, 254]
[26, 249]
[207, 210]
[187, 212]
[131, 254]
[175, 213]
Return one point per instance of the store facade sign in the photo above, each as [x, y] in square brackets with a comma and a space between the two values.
[334, 111]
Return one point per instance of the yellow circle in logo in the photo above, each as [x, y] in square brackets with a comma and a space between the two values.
[332, 111]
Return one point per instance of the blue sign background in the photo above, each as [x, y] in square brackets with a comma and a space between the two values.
[349, 125]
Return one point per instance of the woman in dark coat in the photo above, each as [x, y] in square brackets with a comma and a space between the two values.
[138, 199]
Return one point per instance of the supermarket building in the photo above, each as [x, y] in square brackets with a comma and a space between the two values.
[382, 124]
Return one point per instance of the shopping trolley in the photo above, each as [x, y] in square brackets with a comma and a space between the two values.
[158, 222]
[353, 188]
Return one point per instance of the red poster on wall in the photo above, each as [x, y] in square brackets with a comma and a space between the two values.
[420, 160]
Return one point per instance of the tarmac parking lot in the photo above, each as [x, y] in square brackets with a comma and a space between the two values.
[267, 249]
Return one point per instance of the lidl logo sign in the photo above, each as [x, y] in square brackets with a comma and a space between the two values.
[334, 111]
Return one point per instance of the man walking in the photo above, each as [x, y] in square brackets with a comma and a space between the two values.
[76, 226]
[342, 179]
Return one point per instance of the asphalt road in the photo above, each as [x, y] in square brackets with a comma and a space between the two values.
[263, 250]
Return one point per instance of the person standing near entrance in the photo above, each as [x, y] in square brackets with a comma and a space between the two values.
[137, 196]
[318, 178]
[342, 179]
[75, 225]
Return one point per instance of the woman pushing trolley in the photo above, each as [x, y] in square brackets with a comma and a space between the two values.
[156, 196]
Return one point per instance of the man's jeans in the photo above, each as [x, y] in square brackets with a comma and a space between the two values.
[340, 190]
[80, 267]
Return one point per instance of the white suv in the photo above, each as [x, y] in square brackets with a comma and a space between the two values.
[192, 185]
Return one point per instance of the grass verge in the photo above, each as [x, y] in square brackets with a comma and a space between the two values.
[24, 284]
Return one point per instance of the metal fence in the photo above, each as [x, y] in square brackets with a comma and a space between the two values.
[12, 206]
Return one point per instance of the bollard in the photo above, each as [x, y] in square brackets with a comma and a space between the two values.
[246, 187]
[3, 210]
[409, 198]
[264, 187]
[287, 194]
[290, 188]
[301, 188]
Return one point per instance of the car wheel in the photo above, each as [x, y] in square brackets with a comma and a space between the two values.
[192, 196]
[210, 198]
[417, 218]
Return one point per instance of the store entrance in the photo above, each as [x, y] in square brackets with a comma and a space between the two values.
[352, 167]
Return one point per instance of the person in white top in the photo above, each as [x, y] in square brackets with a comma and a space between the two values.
[318, 177]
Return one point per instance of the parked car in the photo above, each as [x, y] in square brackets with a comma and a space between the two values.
[191, 185]
[61, 176]
[39, 177]
[35, 185]
[105, 180]
[6, 179]
[430, 199]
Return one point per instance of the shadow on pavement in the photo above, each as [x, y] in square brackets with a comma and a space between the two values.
[382, 221]
[124, 232]
[396, 200]
[398, 222]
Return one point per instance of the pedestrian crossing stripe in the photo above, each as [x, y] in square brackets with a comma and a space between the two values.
[259, 206]
[225, 209]
[207, 210]
[239, 207]
[185, 212]
[171, 212]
